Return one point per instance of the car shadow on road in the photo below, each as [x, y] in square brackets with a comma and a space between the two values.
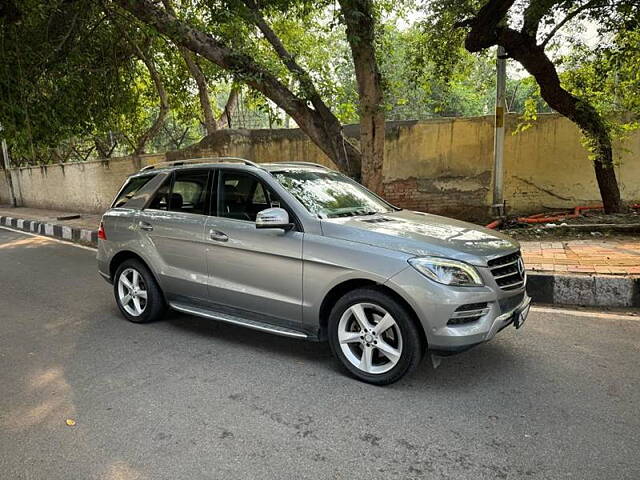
[292, 348]
[474, 367]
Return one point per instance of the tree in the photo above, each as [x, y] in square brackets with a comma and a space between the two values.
[491, 23]
[69, 80]
[306, 107]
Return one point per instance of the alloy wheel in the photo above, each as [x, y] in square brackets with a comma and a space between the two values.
[370, 338]
[132, 292]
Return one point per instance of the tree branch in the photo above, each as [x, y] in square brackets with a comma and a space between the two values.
[217, 52]
[534, 13]
[288, 60]
[210, 123]
[162, 95]
[483, 26]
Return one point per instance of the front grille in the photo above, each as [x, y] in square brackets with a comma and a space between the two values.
[468, 313]
[508, 271]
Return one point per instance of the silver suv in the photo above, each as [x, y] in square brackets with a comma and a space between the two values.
[299, 250]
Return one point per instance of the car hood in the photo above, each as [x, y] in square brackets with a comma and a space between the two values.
[417, 234]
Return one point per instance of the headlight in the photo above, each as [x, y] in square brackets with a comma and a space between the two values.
[447, 272]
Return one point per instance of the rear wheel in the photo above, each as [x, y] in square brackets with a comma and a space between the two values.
[137, 293]
[374, 336]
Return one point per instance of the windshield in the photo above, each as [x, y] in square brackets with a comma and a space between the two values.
[329, 194]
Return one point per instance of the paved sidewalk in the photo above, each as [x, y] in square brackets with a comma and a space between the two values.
[82, 230]
[86, 220]
[606, 257]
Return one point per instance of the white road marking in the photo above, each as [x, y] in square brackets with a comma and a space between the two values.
[53, 239]
[587, 313]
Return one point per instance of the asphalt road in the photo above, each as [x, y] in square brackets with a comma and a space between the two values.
[188, 398]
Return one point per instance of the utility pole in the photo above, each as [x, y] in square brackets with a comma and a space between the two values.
[498, 139]
[5, 156]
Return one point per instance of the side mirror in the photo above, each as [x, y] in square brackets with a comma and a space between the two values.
[273, 218]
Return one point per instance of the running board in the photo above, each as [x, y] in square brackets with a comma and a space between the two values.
[225, 317]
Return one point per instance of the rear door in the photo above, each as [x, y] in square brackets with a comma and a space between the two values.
[256, 270]
[173, 224]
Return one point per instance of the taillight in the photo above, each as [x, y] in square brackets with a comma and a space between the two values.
[101, 234]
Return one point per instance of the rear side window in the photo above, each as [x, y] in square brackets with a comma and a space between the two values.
[130, 189]
[190, 193]
[185, 191]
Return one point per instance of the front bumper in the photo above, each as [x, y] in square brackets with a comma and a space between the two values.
[460, 343]
[435, 305]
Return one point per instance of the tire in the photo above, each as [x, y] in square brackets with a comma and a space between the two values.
[140, 310]
[381, 365]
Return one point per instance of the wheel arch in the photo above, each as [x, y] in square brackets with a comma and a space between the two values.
[343, 288]
[124, 255]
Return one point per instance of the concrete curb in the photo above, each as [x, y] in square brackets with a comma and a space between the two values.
[83, 236]
[584, 290]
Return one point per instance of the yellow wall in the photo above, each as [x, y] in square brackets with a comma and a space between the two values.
[442, 165]
[547, 166]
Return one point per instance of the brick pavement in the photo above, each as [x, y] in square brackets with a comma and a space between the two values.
[611, 256]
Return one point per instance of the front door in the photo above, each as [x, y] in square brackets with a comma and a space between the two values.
[174, 223]
[255, 270]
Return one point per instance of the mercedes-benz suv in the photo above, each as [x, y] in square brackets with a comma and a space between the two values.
[299, 250]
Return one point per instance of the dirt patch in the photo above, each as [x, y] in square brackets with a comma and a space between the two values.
[589, 225]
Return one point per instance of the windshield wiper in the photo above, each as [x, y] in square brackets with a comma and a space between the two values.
[365, 212]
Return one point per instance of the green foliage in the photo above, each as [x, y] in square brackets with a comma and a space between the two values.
[607, 76]
[70, 77]
[61, 74]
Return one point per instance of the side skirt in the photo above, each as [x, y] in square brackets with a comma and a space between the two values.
[244, 322]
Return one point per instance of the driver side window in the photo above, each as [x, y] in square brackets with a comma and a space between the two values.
[242, 196]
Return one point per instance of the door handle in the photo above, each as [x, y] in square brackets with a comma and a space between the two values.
[218, 236]
[145, 226]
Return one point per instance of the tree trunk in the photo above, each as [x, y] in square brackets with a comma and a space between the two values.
[522, 47]
[210, 124]
[324, 130]
[358, 17]
[151, 133]
[224, 121]
[104, 150]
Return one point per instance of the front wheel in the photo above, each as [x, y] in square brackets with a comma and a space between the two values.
[374, 336]
[137, 293]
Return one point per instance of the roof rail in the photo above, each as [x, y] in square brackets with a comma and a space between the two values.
[176, 163]
[310, 164]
